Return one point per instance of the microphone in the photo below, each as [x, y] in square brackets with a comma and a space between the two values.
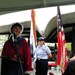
[13, 37]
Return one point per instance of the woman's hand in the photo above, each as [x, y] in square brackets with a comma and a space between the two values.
[62, 70]
[49, 55]
[73, 58]
[29, 72]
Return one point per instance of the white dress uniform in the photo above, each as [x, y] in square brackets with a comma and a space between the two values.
[42, 52]
[41, 56]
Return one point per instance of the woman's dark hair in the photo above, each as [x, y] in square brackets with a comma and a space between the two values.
[16, 24]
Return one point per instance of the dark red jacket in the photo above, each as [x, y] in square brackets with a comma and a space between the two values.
[25, 55]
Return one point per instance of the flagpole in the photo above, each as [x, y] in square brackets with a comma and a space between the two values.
[59, 39]
[33, 35]
[33, 15]
[33, 32]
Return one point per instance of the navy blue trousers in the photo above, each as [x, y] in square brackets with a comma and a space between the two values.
[41, 67]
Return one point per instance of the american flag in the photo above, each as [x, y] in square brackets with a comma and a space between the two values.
[61, 56]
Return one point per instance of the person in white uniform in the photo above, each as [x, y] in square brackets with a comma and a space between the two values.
[42, 53]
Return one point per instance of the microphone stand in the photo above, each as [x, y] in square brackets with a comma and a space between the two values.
[18, 56]
[19, 60]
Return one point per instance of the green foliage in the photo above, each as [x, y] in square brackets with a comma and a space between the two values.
[68, 45]
[3, 38]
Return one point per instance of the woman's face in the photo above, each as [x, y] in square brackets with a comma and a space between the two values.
[16, 30]
[41, 43]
